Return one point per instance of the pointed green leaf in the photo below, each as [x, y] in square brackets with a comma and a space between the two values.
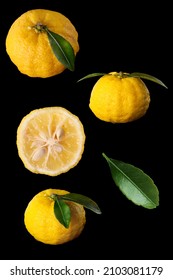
[147, 77]
[134, 183]
[62, 49]
[62, 211]
[91, 76]
[83, 200]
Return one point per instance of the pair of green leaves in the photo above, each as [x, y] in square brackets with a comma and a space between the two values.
[62, 210]
[126, 75]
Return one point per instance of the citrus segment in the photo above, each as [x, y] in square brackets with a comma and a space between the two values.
[41, 223]
[50, 140]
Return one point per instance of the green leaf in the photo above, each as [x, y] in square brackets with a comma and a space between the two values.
[91, 76]
[134, 183]
[62, 49]
[62, 211]
[147, 77]
[83, 200]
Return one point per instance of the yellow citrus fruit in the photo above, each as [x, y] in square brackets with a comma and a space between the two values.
[41, 222]
[50, 140]
[119, 99]
[28, 46]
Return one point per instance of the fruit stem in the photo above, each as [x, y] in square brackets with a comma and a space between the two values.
[54, 196]
[120, 75]
[39, 27]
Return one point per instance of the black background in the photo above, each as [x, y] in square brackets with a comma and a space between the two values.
[113, 36]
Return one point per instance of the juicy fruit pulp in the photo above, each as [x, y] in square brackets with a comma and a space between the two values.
[50, 140]
[41, 223]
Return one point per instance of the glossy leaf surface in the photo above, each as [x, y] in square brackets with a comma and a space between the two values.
[91, 76]
[134, 183]
[147, 77]
[62, 212]
[83, 200]
[62, 49]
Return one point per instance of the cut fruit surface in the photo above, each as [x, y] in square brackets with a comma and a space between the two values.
[50, 140]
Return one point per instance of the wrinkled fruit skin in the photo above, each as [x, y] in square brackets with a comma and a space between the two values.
[119, 100]
[30, 49]
[41, 223]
